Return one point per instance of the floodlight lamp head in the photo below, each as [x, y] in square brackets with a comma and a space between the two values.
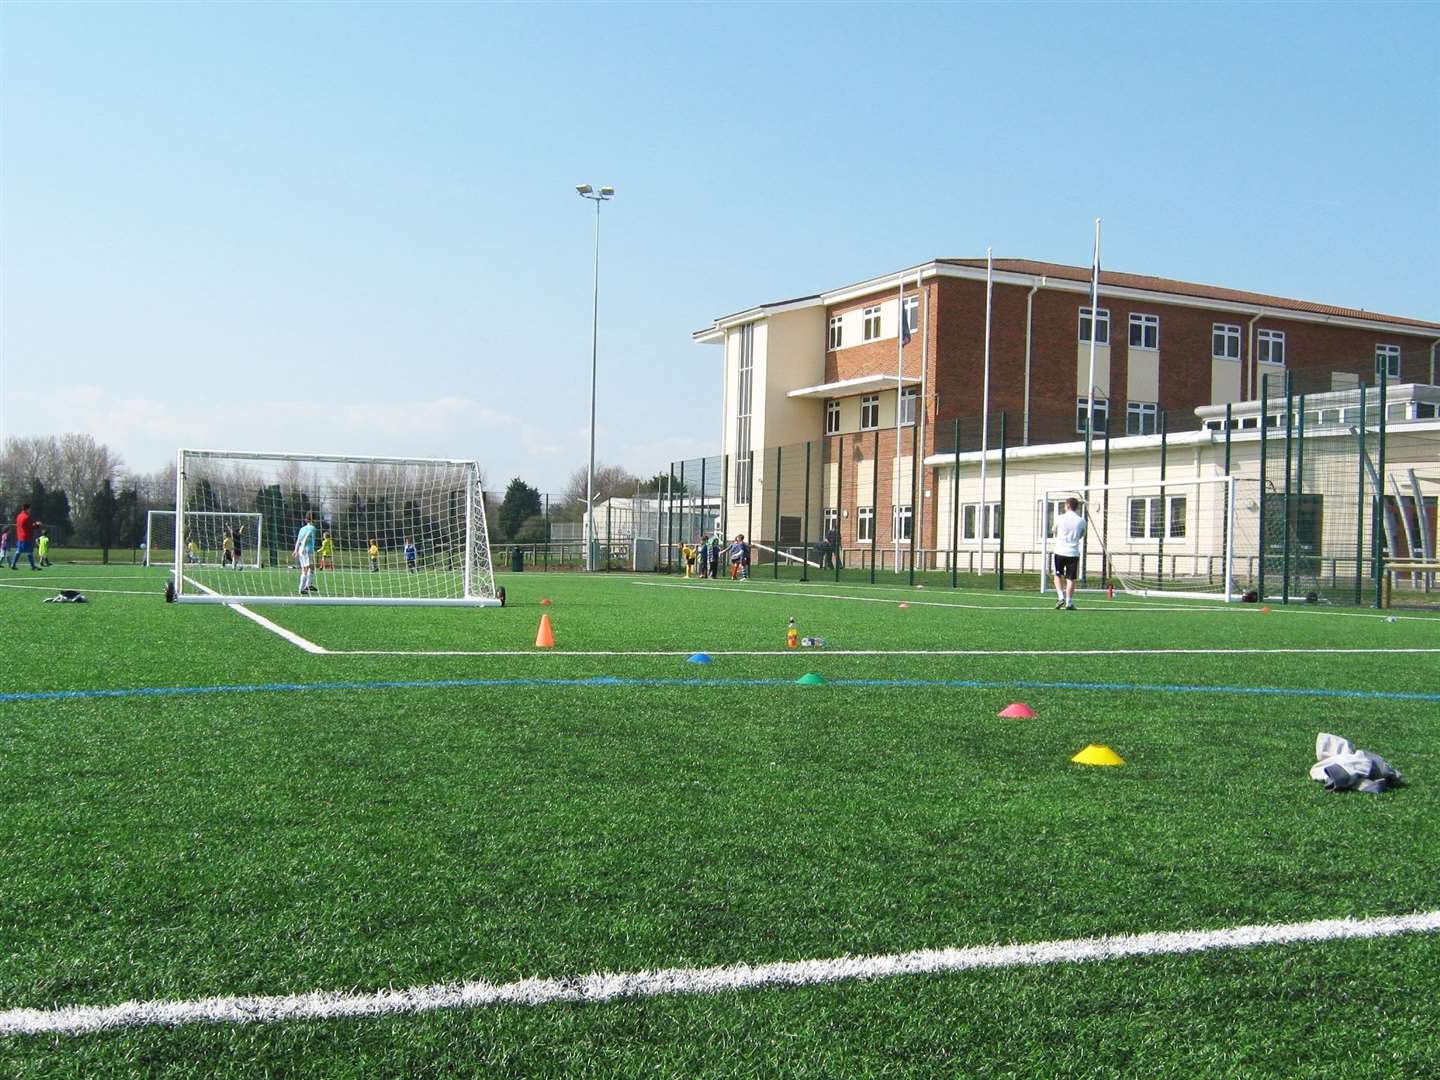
[607, 192]
[583, 189]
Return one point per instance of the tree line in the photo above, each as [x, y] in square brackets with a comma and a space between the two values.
[524, 515]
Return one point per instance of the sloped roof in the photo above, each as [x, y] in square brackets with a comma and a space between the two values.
[1120, 280]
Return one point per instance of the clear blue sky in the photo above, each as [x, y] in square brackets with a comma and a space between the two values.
[354, 228]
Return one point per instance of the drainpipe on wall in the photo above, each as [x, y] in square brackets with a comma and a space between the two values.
[1254, 381]
[1029, 302]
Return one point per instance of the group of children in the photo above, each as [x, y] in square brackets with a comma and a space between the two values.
[704, 558]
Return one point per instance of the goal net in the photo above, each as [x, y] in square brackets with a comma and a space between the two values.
[386, 530]
[210, 538]
[1182, 537]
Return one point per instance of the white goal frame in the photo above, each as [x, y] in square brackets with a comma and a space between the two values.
[250, 518]
[478, 588]
[1151, 487]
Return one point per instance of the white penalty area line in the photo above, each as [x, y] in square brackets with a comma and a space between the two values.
[80, 587]
[811, 654]
[260, 620]
[603, 987]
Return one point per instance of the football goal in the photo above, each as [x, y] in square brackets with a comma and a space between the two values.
[210, 538]
[385, 530]
[1172, 537]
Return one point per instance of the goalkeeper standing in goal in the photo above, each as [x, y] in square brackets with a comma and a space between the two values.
[1069, 531]
[304, 553]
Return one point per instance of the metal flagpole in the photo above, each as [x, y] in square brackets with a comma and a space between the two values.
[1090, 379]
[985, 408]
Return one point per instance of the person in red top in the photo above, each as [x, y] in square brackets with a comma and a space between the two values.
[24, 538]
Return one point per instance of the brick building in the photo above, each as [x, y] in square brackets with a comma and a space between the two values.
[824, 369]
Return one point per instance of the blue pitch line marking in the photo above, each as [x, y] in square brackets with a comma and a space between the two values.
[614, 680]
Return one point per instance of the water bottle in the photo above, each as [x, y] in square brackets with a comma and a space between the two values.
[792, 635]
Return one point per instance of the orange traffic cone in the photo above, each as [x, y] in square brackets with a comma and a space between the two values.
[545, 638]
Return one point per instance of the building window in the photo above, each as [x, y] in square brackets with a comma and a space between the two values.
[1147, 517]
[1082, 414]
[872, 324]
[1387, 361]
[903, 518]
[742, 413]
[1102, 326]
[1272, 346]
[1225, 342]
[869, 412]
[908, 397]
[832, 522]
[1141, 418]
[974, 524]
[865, 524]
[1145, 331]
[912, 314]
[837, 333]
[832, 417]
[1052, 510]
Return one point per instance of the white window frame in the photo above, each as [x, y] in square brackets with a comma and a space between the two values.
[870, 408]
[864, 524]
[1102, 322]
[1149, 332]
[989, 521]
[832, 417]
[1155, 523]
[871, 331]
[909, 397]
[1082, 414]
[1227, 336]
[1141, 411]
[902, 521]
[1270, 346]
[911, 314]
[1384, 354]
[831, 516]
[745, 378]
[837, 332]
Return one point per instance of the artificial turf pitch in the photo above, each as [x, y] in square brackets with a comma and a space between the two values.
[550, 815]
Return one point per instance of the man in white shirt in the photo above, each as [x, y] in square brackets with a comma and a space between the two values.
[1069, 531]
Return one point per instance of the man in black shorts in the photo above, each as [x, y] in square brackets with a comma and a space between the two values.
[1069, 531]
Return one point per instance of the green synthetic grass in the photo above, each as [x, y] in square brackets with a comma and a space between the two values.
[175, 847]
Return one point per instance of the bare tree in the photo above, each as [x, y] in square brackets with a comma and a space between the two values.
[610, 481]
[83, 467]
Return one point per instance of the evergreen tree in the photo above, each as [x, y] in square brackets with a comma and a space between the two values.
[521, 503]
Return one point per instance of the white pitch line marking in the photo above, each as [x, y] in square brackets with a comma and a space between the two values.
[83, 588]
[1110, 606]
[602, 987]
[812, 653]
[260, 620]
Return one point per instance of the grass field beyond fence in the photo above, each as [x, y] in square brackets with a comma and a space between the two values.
[196, 807]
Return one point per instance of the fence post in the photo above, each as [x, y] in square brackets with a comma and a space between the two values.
[1107, 565]
[547, 532]
[1360, 508]
[874, 502]
[1164, 503]
[1000, 523]
[1226, 556]
[705, 522]
[1289, 464]
[805, 521]
[1377, 526]
[725, 495]
[1264, 430]
[750, 499]
[839, 502]
[1300, 489]
[609, 532]
[955, 510]
[779, 454]
[914, 485]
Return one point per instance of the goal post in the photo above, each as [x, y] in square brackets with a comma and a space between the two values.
[1175, 537]
[203, 539]
[401, 531]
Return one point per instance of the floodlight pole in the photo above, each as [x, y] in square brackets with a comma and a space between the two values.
[597, 197]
